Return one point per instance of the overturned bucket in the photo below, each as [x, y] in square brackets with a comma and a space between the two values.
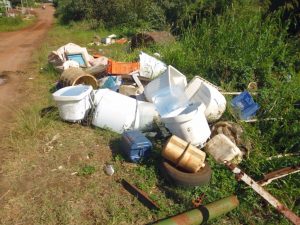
[200, 91]
[184, 154]
[190, 125]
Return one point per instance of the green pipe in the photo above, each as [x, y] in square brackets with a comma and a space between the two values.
[203, 213]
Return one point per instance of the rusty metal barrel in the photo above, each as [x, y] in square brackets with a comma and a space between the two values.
[75, 76]
[203, 213]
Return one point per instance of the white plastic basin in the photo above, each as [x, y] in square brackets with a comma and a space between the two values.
[169, 79]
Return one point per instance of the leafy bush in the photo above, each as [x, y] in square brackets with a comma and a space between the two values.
[241, 46]
[131, 13]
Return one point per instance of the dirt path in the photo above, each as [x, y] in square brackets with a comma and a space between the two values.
[16, 49]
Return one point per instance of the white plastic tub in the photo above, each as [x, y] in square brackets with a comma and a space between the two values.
[169, 79]
[73, 102]
[198, 91]
[118, 112]
[190, 125]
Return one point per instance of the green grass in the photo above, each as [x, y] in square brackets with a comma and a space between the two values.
[230, 51]
[14, 23]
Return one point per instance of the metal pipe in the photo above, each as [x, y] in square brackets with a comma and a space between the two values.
[202, 213]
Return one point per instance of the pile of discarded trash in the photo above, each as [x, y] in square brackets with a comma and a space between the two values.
[130, 98]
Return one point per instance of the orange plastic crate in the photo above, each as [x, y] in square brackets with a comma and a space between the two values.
[122, 68]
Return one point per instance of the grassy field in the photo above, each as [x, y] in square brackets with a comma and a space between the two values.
[55, 172]
[14, 23]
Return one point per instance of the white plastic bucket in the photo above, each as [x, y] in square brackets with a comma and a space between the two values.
[73, 102]
[190, 125]
[170, 78]
[118, 112]
[199, 92]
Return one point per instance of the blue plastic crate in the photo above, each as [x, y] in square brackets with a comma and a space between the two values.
[244, 105]
[135, 145]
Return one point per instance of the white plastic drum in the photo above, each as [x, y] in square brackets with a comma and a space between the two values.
[190, 125]
[114, 111]
[118, 112]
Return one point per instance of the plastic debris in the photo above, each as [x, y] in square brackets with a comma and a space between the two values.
[135, 145]
[120, 68]
[151, 67]
[244, 106]
[109, 169]
[222, 149]
[200, 91]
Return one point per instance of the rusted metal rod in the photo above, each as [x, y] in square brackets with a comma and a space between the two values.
[240, 175]
[277, 174]
[202, 213]
[140, 195]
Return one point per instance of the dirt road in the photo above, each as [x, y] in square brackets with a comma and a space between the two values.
[16, 49]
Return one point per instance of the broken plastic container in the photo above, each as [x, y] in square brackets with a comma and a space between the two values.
[119, 112]
[171, 78]
[244, 105]
[170, 100]
[189, 125]
[74, 102]
[221, 148]
[199, 91]
[151, 67]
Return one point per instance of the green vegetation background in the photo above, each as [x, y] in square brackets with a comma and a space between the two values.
[230, 43]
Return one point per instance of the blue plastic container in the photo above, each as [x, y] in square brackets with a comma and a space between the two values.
[244, 105]
[135, 145]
